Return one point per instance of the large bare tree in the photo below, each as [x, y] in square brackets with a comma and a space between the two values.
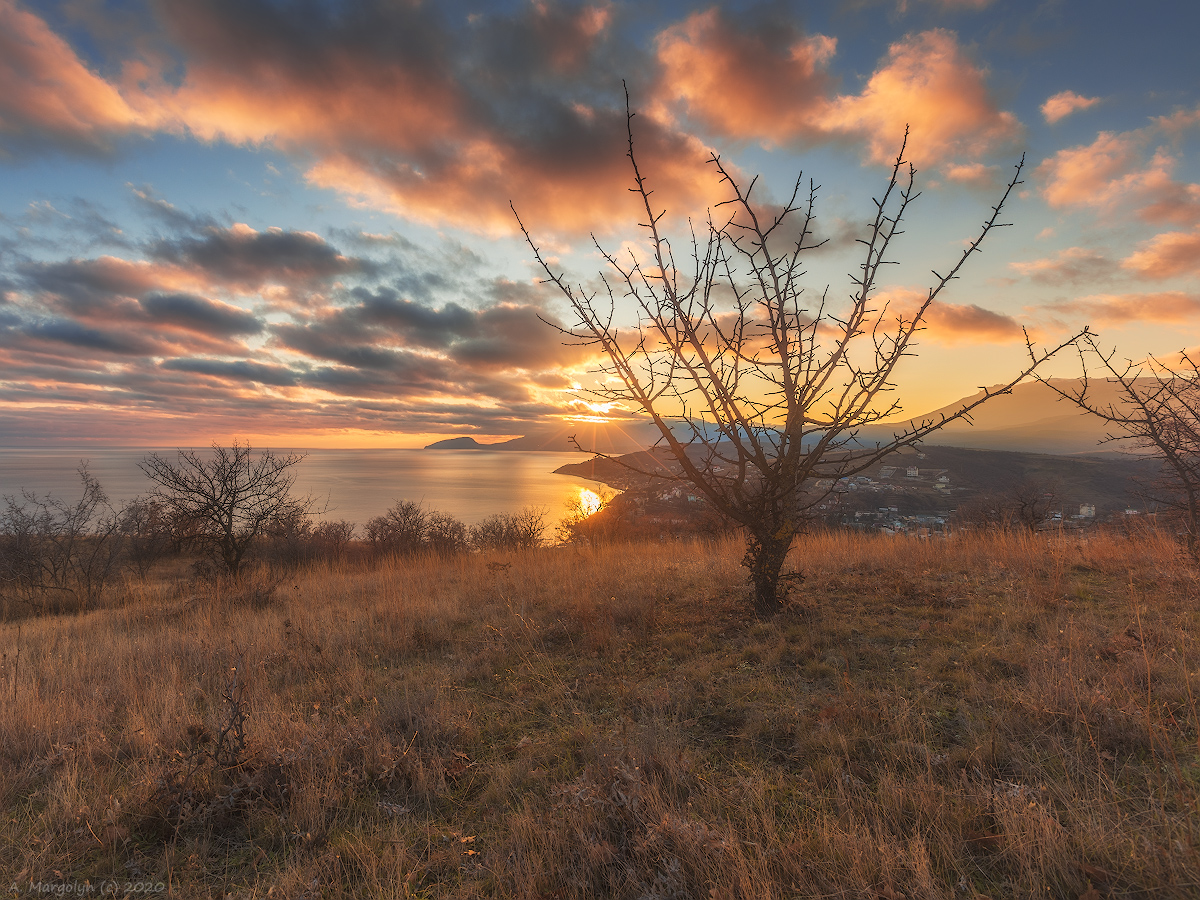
[1156, 411]
[228, 500]
[758, 391]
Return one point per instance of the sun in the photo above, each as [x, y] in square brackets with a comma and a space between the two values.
[589, 502]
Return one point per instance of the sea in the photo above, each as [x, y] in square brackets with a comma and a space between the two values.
[354, 485]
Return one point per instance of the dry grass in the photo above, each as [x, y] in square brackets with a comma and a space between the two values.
[1004, 716]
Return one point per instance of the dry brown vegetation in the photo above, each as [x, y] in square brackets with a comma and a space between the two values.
[1001, 715]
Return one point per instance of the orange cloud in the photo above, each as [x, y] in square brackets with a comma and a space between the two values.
[1090, 175]
[771, 84]
[1064, 103]
[1111, 170]
[1074, 264]
[1166, 255]
[976, 174]
[1120, 309]
[930, 86]
[768, 83]
[949, 323]
[46, 91]
[575, 193]
[398, 128]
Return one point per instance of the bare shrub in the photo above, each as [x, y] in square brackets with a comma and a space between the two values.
[147, 533]
[1028, 504]
[57, 554]
[228, 501]
[408, 528]
[445, 535]
[522, 530]
[401, 530]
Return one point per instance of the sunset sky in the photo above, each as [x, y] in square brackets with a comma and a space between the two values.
[290, 222]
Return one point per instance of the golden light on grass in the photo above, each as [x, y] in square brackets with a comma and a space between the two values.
[1005, 711]
[589, 502]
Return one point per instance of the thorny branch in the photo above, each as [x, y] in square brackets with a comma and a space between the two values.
[758, 395]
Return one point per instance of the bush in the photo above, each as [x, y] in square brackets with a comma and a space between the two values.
[408, 528]
[56, 553]
[445, 534]
[522, 530]
[401, 530]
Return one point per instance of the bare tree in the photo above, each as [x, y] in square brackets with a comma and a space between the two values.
[1156, 411]
[228, 500]
[51, 549]
[522, 530]
[1027, 504]
[767, 391]
[445, 535]
[402, 530]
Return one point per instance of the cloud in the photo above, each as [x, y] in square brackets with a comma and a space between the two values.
[1166, 255]
[48, 95]
[970, 324]
[434, 125]
[97, 287]
[761, 80]
[928, 85]
[240, 370]
[1089, 175]
[1113, 170]
[399, 106]
[200, 314]
[244, 256]
[1062, 104]
[81, 337]
[167, 213]
[1120, 309]
[382, 329]
[771, 83]
[949, 323]
[976, 174]
[1072, 265]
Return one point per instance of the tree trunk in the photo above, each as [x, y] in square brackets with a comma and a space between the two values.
[765, 553]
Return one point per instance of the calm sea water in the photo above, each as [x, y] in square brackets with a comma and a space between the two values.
[358, 484]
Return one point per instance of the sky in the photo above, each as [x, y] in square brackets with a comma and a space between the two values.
[290, 222]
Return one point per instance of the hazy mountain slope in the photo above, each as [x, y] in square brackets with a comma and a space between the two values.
[1033, 419]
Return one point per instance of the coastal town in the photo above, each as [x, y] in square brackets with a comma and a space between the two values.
[926, 492]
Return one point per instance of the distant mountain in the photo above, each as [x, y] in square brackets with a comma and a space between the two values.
[458, 443]
[1031, 419]
[613, 437]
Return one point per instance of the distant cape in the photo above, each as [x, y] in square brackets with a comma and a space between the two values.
[602, 437]
[1032, 418]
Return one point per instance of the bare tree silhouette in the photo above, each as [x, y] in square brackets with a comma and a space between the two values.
[757, 393]
[1157, 411]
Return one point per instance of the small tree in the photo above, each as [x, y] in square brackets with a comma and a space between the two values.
[403, 529]
[51, 549]
[1157, 412]
[522, 530]
[146, 529]
[767, 392]
[227, 501]
[331, 539]
[445, 534]
[591, 525]
[1027, 504]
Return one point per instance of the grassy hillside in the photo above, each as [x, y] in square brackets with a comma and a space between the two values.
[1002, 716]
